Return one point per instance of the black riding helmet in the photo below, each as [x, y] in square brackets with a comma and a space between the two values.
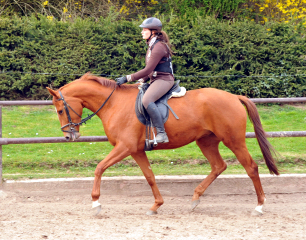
[152, 23]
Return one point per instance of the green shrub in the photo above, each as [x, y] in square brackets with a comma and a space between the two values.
[245, 49]
[240, 57]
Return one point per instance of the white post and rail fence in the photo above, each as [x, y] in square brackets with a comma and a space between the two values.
[6, 141]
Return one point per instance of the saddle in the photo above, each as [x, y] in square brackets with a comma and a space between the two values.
[162, 105]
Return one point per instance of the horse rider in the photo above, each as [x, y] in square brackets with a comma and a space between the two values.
[158, 69]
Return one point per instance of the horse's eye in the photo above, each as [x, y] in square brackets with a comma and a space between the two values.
[60, 112]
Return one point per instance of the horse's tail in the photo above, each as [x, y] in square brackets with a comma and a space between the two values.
[264, 144]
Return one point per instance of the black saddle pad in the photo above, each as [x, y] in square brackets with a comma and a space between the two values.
[161, 104]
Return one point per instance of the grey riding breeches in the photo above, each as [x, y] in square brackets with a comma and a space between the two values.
[156, 90]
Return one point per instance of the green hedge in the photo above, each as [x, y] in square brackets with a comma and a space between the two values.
[233, 56]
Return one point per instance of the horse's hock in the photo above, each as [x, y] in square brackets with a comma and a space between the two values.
[168, 185]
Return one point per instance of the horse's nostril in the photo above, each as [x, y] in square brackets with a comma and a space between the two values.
[67, 138]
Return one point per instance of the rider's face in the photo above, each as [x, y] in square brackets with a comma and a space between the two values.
[146, 33]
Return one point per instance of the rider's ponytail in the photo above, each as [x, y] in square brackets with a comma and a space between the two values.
[163, 37]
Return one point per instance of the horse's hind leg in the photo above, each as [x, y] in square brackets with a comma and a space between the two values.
[240, 150]
[209, 147]
[143, 162]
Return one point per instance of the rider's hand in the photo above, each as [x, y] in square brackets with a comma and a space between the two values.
[121, 80]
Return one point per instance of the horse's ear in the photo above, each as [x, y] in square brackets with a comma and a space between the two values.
[53, 93]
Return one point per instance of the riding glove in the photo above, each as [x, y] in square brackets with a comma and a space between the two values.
[121, 80]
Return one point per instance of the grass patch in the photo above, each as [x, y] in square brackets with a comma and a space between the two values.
[80, 159]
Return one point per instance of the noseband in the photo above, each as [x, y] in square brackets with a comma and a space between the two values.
[71, 124]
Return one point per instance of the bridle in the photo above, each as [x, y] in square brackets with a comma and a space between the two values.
[71, 124]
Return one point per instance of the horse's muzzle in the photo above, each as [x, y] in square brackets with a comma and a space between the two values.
[72, 136]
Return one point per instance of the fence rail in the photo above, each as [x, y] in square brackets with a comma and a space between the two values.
[255, 100]
[6, 141]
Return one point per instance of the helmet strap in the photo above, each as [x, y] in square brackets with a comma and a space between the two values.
[151, 34]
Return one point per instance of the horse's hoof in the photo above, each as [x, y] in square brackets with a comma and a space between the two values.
[257, 211]
[96, 208]
[194, 204]
[151, 213]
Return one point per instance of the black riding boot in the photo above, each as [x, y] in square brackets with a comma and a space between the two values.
[161, 136]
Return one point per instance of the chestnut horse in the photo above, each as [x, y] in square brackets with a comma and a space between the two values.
[207, 116]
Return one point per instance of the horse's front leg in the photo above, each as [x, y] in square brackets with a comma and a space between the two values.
[116, 155]
[143, 162]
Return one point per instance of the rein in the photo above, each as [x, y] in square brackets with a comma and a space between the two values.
[84, 120]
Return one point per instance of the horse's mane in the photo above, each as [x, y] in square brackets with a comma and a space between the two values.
[103, 81]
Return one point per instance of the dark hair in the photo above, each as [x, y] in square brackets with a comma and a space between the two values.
[163, 37]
